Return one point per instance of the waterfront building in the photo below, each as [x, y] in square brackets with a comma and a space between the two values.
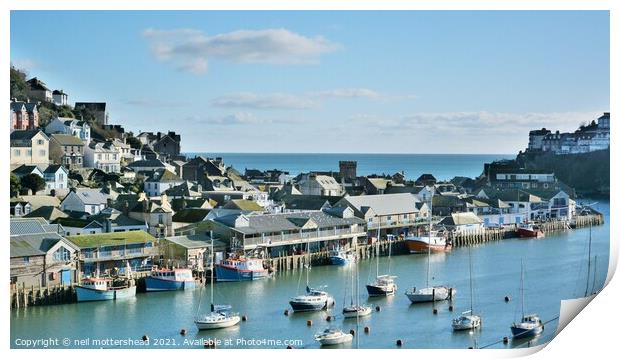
[187, 216]
[29, 147]
[191, 251]
[535, 142]
[462, 222]
[87, 200]
[157, 214]
[284, 233]
[97, 109]
[78, 226]
[444, 205]
[319, 185]
[111, 252]
[391, 213]
[39, 255]
[49, 213]
[103, 156]
[69, 126]
[25, 170]
[24, 115]
[67, 150]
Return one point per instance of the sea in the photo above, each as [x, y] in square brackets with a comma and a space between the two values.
[555, 269]
[442, 166]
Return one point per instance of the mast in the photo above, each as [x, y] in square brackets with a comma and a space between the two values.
[594, 277]
[430, 228]
[589, 253]
[471, 283]
[378, 242]
[522, 296]
[212, 269]
[308, 264]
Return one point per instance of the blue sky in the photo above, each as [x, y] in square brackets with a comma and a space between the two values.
[372, 82]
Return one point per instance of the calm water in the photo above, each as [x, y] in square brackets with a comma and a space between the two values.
[443, 167]
[555, 270]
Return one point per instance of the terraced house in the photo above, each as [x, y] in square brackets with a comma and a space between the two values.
[67, 150]
[285, 233]
[29, 147]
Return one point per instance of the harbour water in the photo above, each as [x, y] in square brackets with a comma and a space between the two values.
[555, 266]
[442, 166]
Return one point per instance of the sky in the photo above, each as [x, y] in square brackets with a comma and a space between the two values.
[327, 81]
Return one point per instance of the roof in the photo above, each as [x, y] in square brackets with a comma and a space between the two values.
[147, 163]
[244, 205]
[447, 201]
[116, 217]
[54, 169]
[385, 204]
[163, 176]
[33, 244]
[111, 239]
[196, 241]
[308, 202]
[403, 189]
[91, 195]
[50, 213]
[67, 140]
[25, 170]
[21, 138]
[77, 222]
[21, 226]
[191, 215]
[183, 190]
[40, 201]
[263, 223]
[379, 183]
[36, 84]
[461, 219]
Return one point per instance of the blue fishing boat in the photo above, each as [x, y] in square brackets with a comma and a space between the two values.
[340, 257]
[170, 279]
[95, 289]
[241, 269]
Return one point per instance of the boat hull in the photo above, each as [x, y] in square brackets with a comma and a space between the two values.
[205, 325]
[346, 338]
[466, 323]
[380, 291]
[417, 246]
[90, 295]
[521, 332]
[228, 274]
[530, 233]
[425, 296]
[339, 261]
[354, 313]
[154, 284]
[310, 306]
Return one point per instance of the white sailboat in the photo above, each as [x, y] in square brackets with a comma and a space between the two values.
[333, 336]
[220, 315]
[355, 310]
[530, 325]
[314, 299]
[468, 320]
[430, 293]
[384, 284]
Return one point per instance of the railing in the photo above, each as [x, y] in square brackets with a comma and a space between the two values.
[300, 237]
[118, 254]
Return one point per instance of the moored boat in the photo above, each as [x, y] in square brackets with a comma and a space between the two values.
[162, 279]
[466, 321]
[434, 243]
[240, 269]
[383, 286]
[529, 230]
[333, 337]
[529, 326]
[430, 294]
[313, 300]
[355, 311]
[95, 289]
[340, 257]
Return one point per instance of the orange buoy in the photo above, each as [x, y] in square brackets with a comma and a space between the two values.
[286, 312]
[309, 323]
[366, 330]
[329, 318]
[378, 308]
[145, 338]
[434, 310]
[183, 332]
[244, 318]
[505, 340]
[450, 308]
[399, 343]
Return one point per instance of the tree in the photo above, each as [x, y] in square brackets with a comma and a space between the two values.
[133, 142]
[19, 87]
[32, 182]
[15, 185]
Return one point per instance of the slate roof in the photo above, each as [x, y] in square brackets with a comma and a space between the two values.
[459, 219]
[54, 168]
[91, 195]
[21, 226]
[264, 223]
[196, 241]
[67, 140]
[77, 223]
[33, 244]
[50, 213]
[93, 106]
[244, 205]
[162, 176]
[24, 170]
[40, 201]
[146, 163]
[384, 204]
[191, 215]
[308, 202]
[23, 138]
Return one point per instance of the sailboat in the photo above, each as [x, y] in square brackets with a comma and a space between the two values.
[355, 310]
[468, 320]
[530, 325]
[384, 284]
[429, 293]
[314, 299]
[220, 315]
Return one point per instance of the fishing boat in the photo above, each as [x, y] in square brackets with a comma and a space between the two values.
[333, 337]
[384, 285]
[355, 309]
[240, 269]
[339, 256]
[530, 325]
[529, 230]
[96, 288]
[162, 279]
[220, 316]
[430, 293]
[313, 299]
[468, 320]
[434, 241]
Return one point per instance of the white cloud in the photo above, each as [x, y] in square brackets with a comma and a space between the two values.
[262, 102]
[348, 93]
[190, 49]
[238, 119]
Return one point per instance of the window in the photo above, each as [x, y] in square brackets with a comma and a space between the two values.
[62, 255]
[18, 153]
[26, 260]
[99, 156]
[28, 152]
[41, 152]
[93, 209]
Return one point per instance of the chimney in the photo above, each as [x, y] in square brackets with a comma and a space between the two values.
[126, 208]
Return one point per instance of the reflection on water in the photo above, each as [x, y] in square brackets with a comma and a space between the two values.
[556, 268]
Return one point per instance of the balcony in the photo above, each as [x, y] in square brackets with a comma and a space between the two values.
[295, 238]
[114, 255]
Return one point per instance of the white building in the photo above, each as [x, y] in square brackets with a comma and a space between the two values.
[60, 98]
[160, 181]
[89, 200]
[56, 178]
[103, 156]
[319, 185]
[69, 126]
